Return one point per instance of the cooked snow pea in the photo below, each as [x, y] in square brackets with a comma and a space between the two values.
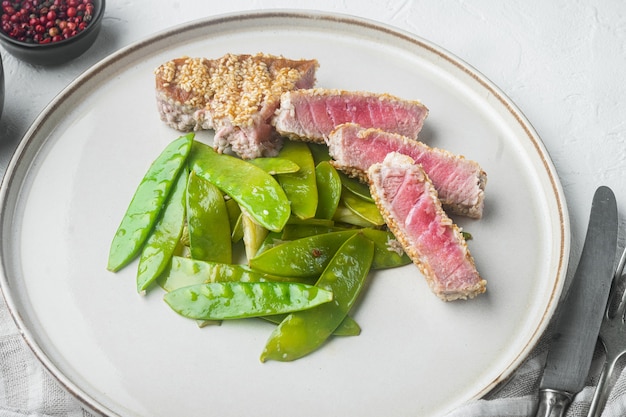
[207, 221]
[303, 332]
[186, 271]
[348, 327]
[301, 186]
[310, 222]
[146, 204]
[328, 190]
[233, 209]
[306, 257]
[387, 253]
[319, 152]
[234, 214]
[298, 231]
[296, 228]
[276, 165]
[237, 232]
[163, 240]
[356, 187]
[253, 235]
[234, 300]
[272, 239]
[345, 215]
[254, 189]
[362, 208]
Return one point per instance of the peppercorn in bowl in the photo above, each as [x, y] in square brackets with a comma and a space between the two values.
[49, 32]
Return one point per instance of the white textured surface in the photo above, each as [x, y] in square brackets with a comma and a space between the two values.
[562, 62]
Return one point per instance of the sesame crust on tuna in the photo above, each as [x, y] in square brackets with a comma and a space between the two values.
[236, 95]
[460, 182]
[233, 86]
[409, 245]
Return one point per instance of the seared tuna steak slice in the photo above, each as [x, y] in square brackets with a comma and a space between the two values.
[236, 95]
[312, 114]
[459, 182]
[409, 204]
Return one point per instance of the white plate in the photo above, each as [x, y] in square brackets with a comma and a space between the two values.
[72, 178]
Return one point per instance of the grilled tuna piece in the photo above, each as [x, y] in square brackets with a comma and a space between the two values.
[236, 95]
[459, 182]
[408, 202]
[312, 114]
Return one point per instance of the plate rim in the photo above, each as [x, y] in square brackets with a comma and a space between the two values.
[28, 143]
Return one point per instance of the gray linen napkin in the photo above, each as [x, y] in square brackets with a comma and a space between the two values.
[517, 396]
[26, 387]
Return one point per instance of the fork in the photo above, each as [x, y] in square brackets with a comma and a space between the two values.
[613, 338]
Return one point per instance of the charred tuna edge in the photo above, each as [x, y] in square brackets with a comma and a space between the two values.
[236, 95]
[311, 114]
[460, 182]
[409, 204]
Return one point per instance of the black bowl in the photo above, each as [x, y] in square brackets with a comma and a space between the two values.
[55, 53]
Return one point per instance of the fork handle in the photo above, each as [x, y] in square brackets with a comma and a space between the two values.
[553, 403]
[601, 393]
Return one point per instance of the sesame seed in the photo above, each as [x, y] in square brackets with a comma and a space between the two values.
[232, 88]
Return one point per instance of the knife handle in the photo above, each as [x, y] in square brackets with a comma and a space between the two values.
[553, 403]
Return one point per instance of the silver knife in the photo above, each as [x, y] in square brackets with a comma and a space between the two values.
[580, 316]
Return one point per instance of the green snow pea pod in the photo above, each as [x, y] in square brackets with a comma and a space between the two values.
[319, 152]
[163, 241]
[146, 204]
[348, 327]
[356, 187]
[237, 232]
[387, 250]
[303, 332]
[298, 231]
[234, 215]
[234, 300]
[254, 189]
[305, 228]
[306, 257]
[345, 215]
[272, 239]
[328, 190]
[186, 271]
[310, 222]
[300, 186]
[207, 221]
[363, 208]
[298, 228]
[275, 165]
[253, 235]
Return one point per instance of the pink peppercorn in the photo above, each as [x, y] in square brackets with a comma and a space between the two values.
[45, 21]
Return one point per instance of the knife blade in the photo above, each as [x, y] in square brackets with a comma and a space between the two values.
[580, 316]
